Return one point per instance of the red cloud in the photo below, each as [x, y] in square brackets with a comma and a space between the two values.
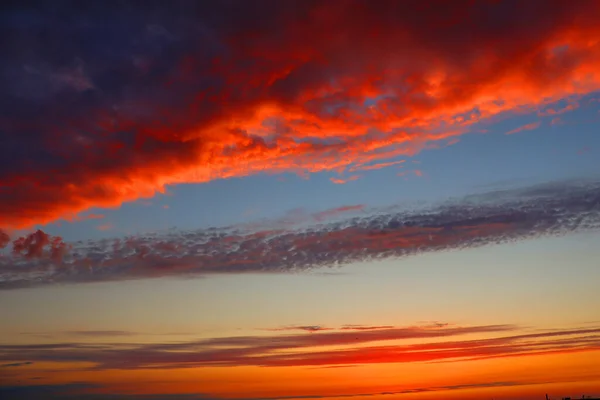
[40, 245]
[4, 239]
[326, 86]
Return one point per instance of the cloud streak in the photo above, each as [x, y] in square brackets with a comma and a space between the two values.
[528, 127]
[317, 348]
[477, 220]
[18, 364]
[150, 95]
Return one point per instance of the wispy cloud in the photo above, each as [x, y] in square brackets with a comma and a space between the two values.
[376, 166]
[307, 328]
[364, 328]
[105, 227]
[335, 212]
[299, 217]
[103, 333]
[93, 334]
[495, 217]
[18, 364]
[351, 347]
[341, 181]
[528, 127]
[550, 111]
[187, 101]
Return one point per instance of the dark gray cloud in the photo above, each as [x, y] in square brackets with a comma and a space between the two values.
[19, 364]
[99, 333]
[85, 391]
[43, 392]
[489, 218]
[57, 392]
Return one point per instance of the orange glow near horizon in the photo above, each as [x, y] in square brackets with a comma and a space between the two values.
[526, 374]
[558, 373]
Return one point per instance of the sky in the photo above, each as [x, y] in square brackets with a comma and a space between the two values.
[286, 200]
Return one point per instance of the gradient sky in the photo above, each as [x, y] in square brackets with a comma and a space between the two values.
[299, 199]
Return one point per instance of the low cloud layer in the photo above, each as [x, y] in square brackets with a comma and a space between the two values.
[104, 105]
[317, 348]
[85, 391]
[550, 209]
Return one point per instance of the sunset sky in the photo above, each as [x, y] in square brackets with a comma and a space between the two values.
[335, 199]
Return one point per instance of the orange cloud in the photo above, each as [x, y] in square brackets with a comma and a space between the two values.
[318, 89]
[341, 181]
[376, 166]
[528, 127]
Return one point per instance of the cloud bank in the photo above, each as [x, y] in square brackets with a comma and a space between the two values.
[103, 105]
[316, 348]
[477, 220]
[87, 391]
